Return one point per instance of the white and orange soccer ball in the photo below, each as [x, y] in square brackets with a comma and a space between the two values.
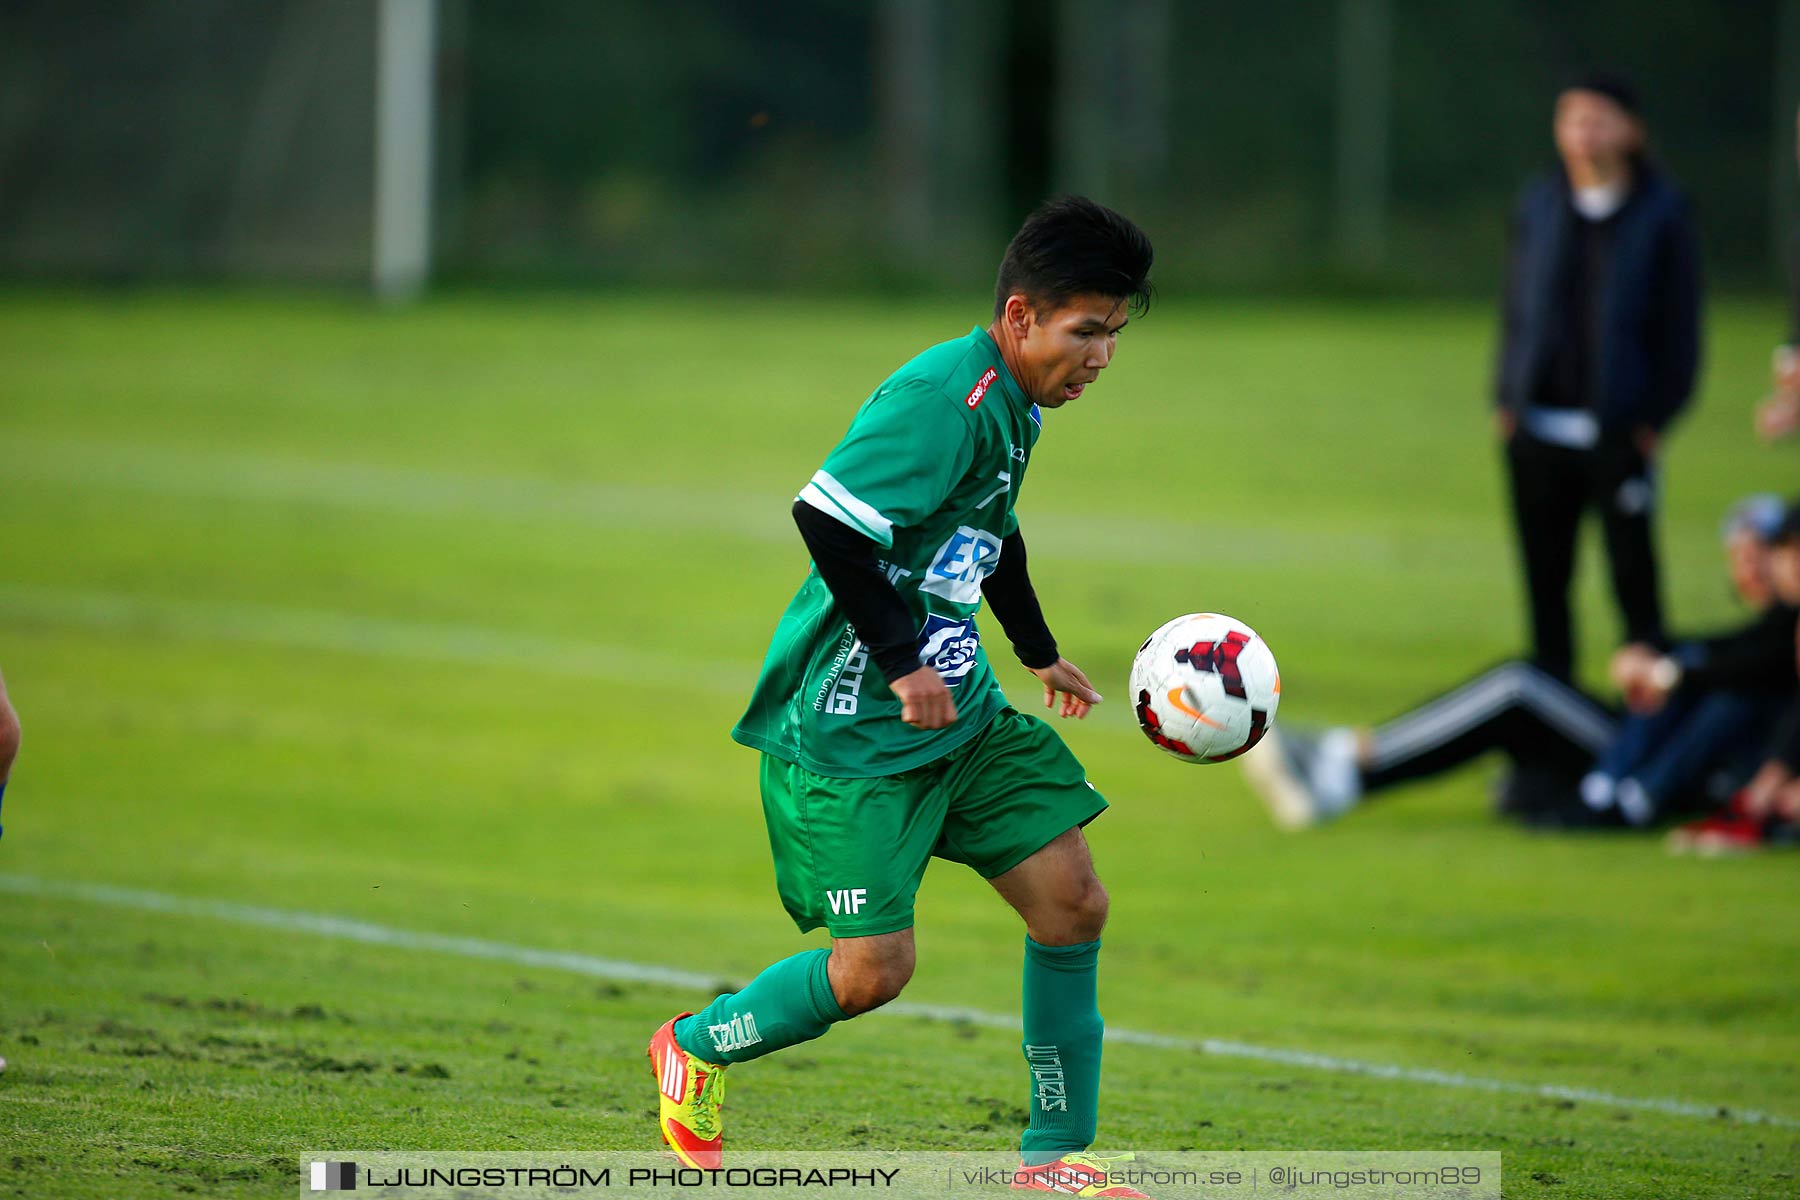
[1205, 687]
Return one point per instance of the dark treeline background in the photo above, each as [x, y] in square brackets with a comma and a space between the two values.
[832, 143]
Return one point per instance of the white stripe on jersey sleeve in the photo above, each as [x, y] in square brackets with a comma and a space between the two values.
[837, 502]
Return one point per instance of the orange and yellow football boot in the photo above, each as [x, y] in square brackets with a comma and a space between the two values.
[692, 1093]
[1077, 1174]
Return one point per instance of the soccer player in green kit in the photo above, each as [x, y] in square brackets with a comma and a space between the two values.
[885, 737]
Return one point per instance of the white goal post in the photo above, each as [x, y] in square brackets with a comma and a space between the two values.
[405, 68]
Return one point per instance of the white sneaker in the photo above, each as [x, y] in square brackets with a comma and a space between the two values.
[1304, 780]
[1277, 769]
[1336, 778]
[1598, 791]
[1635, 804]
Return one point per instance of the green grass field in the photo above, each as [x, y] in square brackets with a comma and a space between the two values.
[438, 619]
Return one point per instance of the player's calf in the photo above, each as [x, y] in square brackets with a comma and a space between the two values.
[789, 1002]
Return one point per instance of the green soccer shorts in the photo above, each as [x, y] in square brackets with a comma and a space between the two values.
[849, 853]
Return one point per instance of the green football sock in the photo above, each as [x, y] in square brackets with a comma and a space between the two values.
[1062, 1049]
[789, 1003]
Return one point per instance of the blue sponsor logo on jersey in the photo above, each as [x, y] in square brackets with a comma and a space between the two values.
[962, 562]
[948, 644]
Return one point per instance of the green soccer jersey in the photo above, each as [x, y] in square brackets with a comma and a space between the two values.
[930, 469]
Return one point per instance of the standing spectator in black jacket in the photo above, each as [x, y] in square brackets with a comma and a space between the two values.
[1599, 350]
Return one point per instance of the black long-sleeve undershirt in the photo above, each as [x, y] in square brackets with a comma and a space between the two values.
[1757, 657]
[848, 562]
[1014, 601]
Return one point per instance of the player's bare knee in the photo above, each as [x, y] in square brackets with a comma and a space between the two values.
[1074, 915]
[1087, 916]
[867, 973]
[871, 984]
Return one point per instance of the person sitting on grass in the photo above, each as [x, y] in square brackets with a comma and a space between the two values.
[1765, 813]
[1703, 704]
[1667, 731]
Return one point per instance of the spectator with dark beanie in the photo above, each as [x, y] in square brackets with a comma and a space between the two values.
[1599, 350]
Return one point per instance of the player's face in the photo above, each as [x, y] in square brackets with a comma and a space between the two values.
[1065, 349]
[1591, 128]
[1747, 557]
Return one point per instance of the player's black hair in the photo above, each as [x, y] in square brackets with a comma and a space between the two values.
[1072, 247]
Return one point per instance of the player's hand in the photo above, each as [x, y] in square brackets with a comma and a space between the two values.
[1635, 669]
[1078, 695]
[925, 701]
[1761, 797]
[1785, 803]
[1646, 440]
[1631, 665]
[1506, 423]
[1631, 670]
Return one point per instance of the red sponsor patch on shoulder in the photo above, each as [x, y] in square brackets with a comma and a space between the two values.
[981, 386]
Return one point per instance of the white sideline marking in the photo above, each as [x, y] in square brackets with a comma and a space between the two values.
[348, 633]
[617, 970]
[760, 516]
[382, 637]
